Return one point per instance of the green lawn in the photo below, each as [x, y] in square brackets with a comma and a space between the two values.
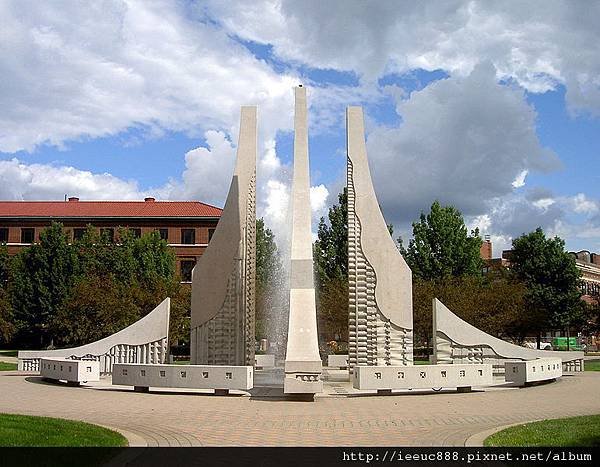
[181, 362]
[591, 365]
[421, 362]
[7, 366]
[23, 430]
[563, 432]
[8, 353]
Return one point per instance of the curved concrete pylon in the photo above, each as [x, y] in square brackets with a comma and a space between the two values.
[380, 281]
[223, 300]
[145, 341]
[456, 341]
[302, 360]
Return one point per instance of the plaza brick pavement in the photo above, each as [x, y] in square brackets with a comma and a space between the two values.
[185, 419]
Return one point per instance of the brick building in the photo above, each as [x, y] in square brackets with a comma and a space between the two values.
[187, 226]
[589, 265]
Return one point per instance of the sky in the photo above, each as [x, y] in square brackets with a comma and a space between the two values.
[493, 107]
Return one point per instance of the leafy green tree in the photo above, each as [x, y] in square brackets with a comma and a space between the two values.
[441, 245]
[4, 265]
[331, 248]
[330, 252]
[92, 287]
[6, 321]
[552, 280]
[268, 261]
[333, 309]
[41, 278]
[495, 303]
[271, 295]
[6, 325]
[97, 307]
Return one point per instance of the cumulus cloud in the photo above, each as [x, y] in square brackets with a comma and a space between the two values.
[463, 141]
[574, 218]
[19, 181]
[98, 69]
[207, 173]
[519, 180]
[540, 44]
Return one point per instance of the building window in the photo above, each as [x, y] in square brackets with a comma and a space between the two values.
[3, 234]
[211, 232]
[108, 234]
[186, 269]
[164, 234]
[78, 234]
[137, 233]
[188, 236]
[27, 235]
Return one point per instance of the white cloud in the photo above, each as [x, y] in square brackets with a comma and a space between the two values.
[583, 205]
[19, 181]
[318, 200]
[77, 70]
[539, 44]
[519, 180]
[207, 173]
[543, 203]
[462, 141]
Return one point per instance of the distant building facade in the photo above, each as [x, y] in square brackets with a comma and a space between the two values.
[187, 226]
[589, 265]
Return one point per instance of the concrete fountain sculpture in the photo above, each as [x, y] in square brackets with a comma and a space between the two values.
[380, 281]
[302, 361]
[223, 281]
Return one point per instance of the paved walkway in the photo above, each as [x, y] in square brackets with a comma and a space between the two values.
[163, 419]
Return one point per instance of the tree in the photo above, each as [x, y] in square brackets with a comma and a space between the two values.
[551, 277]
[4, 265]
[96, 307]
[6, 325]
[93, 287]
[271, 293]
[441, 246]
[41, 278]
[330, 252]
[494, 303]
[331, 248]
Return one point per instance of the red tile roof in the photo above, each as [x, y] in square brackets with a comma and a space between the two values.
[90, 209]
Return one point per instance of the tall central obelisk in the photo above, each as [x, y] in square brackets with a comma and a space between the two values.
[302, 361]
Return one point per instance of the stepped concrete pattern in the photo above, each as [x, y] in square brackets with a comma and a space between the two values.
[380, 281]
[223, 290]
[165, 419]
[456, 341]
[145, 341]
[302, 360]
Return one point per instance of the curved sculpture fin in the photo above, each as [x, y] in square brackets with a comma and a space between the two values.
[380, 281]
[145, 341]
[455, 340]
[222, 322]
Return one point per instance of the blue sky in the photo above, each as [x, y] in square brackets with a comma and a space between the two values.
[492, 110]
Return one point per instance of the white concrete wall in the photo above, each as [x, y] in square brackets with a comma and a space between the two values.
[421, 376]
[264, 361]
[184, 376]
[78, 371]
[337, 361]
[531, 371]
